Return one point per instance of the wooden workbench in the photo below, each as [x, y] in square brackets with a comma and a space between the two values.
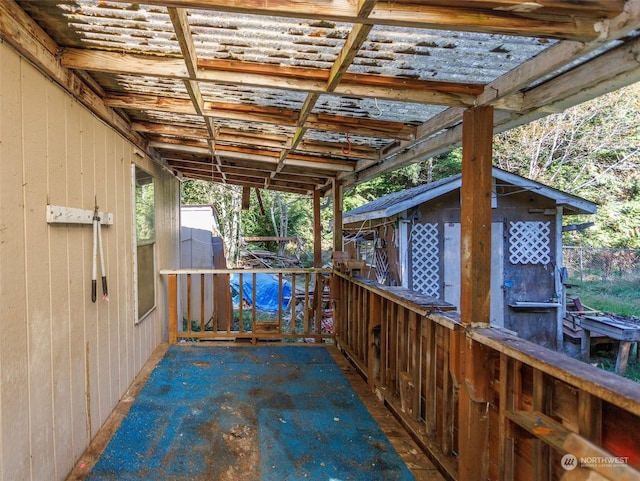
[623, 332]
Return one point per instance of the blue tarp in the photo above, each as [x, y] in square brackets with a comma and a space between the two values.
[266, 291]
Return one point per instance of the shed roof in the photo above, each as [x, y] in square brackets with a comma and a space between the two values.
[392, 204]
[291, 94]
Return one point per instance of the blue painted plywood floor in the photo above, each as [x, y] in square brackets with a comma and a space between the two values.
[266, 412]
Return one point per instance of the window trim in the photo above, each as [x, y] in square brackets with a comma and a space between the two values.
[137, 244]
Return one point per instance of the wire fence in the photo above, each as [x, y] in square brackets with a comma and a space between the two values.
[601, 263]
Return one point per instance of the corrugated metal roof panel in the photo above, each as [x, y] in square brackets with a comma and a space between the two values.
[373, 108]
[443, 55]
[264, 97]
[152, 85]
[264, 39]
[340, 138]
[134, 28]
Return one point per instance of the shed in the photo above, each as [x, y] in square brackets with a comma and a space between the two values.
[412, 238]
[199, 236]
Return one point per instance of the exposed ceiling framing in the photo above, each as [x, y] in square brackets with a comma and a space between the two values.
[291, 95]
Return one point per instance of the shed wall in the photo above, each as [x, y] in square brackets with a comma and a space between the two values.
[528, 282]
[65, 361]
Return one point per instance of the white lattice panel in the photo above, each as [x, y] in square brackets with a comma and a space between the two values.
[529, 243]
[382, 265]
[425, 274]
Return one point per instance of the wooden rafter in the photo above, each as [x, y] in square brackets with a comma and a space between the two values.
[566, 20]
[282, 135]
[269, 76]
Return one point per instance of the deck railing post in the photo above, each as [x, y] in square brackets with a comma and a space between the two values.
[373, 348]
[173, 308]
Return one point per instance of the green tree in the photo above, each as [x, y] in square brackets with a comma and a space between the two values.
[591, 150]
[285, 215]
[430, 170]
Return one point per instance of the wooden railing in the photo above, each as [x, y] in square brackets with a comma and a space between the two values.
[203, 305]
[542, 415]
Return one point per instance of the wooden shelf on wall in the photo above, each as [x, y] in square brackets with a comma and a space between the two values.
[534, 305]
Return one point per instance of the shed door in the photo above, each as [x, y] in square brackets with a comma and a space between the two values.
[452, 269]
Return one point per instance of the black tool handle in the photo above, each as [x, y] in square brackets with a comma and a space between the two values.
[105, 293]
[94, 289]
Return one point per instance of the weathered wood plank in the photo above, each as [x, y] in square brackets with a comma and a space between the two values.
[606, 386]
[560, 438]
[429, 376]
[541, 403]
[619, 330]
[506, 403]
[449, 401]
[412, 300]
[373, 351]
[590, 417]
[498, 17]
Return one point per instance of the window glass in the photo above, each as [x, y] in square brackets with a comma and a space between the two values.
[145, 242]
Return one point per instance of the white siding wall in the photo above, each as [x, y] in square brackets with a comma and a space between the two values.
[65, 361]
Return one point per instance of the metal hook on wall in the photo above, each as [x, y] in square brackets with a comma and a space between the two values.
[347, 151]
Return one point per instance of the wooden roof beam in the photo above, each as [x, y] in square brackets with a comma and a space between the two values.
[229, 136]
[265, 166]
[332, 166]
[573, 26]
[331, 148]
[255, 183]
[270, 76]
[589, 8]
[157, 128]
[484, 16]
[365, 127]
[326, 122]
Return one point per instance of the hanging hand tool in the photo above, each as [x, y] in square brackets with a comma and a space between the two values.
[97, 245]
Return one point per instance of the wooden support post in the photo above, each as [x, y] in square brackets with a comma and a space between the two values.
[246, 198]
[585, 344]
[624, 348]
[189, 317]
[317, 231]
[260, 203]
[473, 412]
[558, 285]
[337, 216]
[318, 304]
[475, 213]
[173, 308]
[474, 364]
[202, 320]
